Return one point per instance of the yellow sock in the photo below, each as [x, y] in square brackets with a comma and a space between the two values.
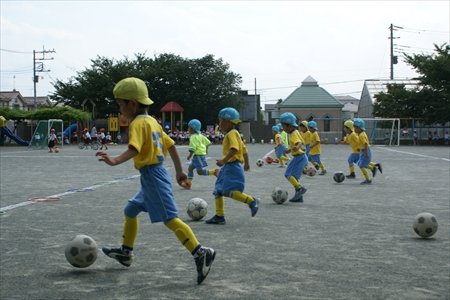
[130, 231]
[184, 233]
[220, 210]
[292, 180]
[211, 172]
[241, 197]
[365, 173]
[352, 169]
[322, 166]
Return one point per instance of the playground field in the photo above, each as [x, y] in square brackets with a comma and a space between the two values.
[346, 241]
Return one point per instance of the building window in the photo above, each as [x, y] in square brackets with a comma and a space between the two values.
[327, 124]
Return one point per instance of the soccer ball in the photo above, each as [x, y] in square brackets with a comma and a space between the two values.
[197, 208]
[269, 160]
[339, 177]
[279, 196]
[260, 162]
[81, 252]
[425, 224]
[56, 150]
[311, 171]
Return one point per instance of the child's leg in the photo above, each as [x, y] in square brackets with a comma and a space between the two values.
[220, 206]
[184, 234]
[295, 183]
[241, 197]
[130, 231]
[365, 173]
[190, 174]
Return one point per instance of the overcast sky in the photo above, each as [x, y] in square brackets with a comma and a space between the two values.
[280, 43]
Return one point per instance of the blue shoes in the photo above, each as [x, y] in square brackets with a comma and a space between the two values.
[254, 206]
[219, 220]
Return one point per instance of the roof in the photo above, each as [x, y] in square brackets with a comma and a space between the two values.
[171, 106]
[39, 100]
[347, 99]
[376, 86]
[8, 96]
[310, 95]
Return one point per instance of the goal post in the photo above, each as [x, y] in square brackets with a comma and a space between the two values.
[383, 131]
[39, 140]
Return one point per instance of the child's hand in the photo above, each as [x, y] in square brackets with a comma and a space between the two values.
[103, 156]
[246, 167]
[181, 178]
[220, 162]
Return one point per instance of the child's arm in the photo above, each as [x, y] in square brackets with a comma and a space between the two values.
[224, 160]
[180, 176]
[314, 144]
[190, 155]
[113, 161]
[246, 164]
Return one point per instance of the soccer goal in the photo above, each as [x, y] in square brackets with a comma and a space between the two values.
[381, 131]
[39, 140]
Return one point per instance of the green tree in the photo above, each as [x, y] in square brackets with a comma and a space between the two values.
[201, 86]
[430, 100]
[44, 113]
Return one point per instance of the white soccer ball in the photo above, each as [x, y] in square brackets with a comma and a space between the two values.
[260, 162]
[339, 177]
[311, 171]
[81, 252]
[425, 224]
[279, 196]
[197, 208]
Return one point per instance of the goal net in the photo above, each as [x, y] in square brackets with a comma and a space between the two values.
[39, 140]
[381, 131]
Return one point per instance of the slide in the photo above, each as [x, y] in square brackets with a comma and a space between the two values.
[70, 129]
[11, 135]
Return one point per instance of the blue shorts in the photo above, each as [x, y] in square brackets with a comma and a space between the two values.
[280, 151]
[353, 159]
[296, 166]
[315, 158]
[198, 162]
[231, 178]
[155, 197]
[364, 162]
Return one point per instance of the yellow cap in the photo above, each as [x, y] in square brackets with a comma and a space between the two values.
[132, 88]
[304, 123]
[349, 124]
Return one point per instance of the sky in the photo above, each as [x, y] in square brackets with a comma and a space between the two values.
[275, 44]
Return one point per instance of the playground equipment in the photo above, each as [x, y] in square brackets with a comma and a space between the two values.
[42, 131]
[5, 131]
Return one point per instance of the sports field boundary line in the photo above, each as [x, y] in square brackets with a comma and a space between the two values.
[71, 191]
[415, 154]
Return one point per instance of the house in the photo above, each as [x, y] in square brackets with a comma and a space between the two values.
[14, 100]
[312, 102]
[350, 108]
[372, 87]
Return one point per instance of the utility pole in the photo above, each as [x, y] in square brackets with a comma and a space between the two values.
[38, 66]
[394, 58]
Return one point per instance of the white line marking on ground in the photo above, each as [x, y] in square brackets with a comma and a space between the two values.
[93, 187]
[415, 154]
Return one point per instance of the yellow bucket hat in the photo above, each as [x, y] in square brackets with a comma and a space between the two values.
[132, 88]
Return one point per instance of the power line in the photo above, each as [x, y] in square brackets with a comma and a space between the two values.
[15, 51]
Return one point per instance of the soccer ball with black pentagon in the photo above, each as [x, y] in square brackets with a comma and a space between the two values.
[311, 171]
[279, 196]
[425, 224]
[81, 252]
[339, 177]
[197, 208]
[260, 162]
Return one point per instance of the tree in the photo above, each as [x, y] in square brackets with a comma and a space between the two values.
[201, 86]
[44, 113]
[430, 100]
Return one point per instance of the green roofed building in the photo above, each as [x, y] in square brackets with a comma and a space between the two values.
[311, 102]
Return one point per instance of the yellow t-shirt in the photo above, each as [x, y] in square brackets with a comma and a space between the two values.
[232, 140]
[294, 139]
[149, 139]
[198, 143]
[363, 140]
[306, 137]
[316, 149]
[278, 140]
[353, 140]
